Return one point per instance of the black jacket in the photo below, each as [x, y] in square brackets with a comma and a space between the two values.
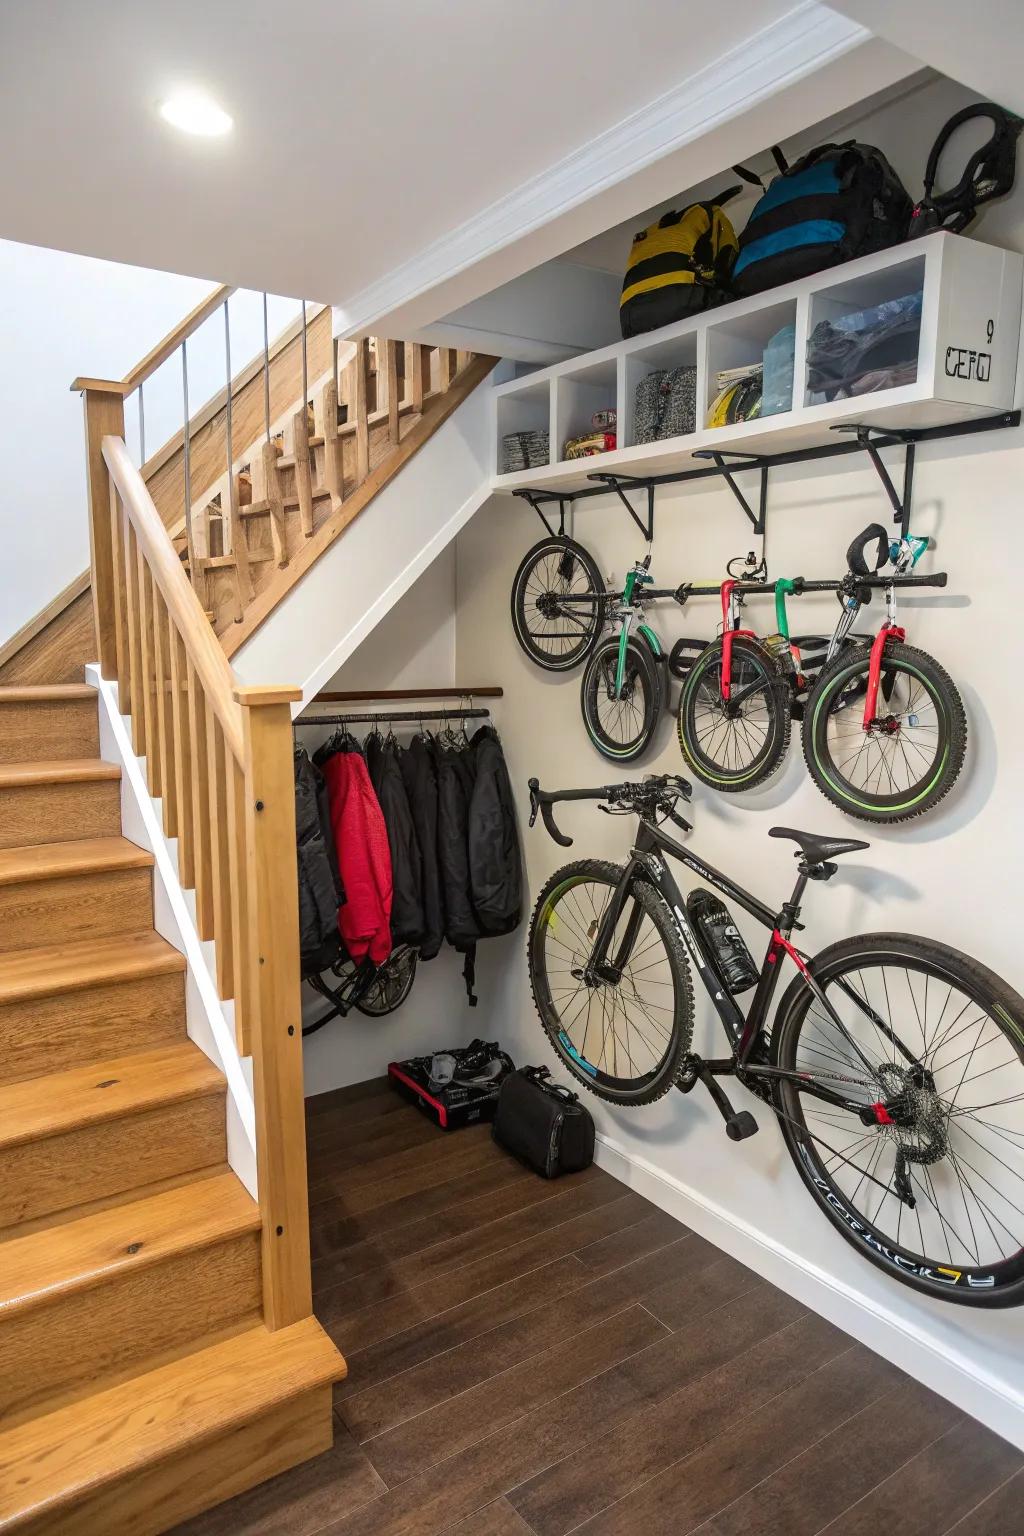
[495, 865]
[320, 889]
[455, 779]
[419, 773]
[407, 920]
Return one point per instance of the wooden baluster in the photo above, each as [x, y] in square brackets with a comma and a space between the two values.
[200, 771]
[413, 376]
[424, 355]
[241, 918]
[220, 853]
[362, 409]
[164, 715]
[239, 543]
[389, 370]
[276, 1018]
[121, 643]
[182, 771]
[133, 595]
[150, 729]
[303, 482]
[445, 368]
[334, 475]
[275, 502]
[104, 417]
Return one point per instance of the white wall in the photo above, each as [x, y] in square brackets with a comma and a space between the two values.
[954, 875]
[62, 316]
[413, 647]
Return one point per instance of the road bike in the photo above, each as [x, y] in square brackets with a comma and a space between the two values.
[894, 1064]
[883, 725]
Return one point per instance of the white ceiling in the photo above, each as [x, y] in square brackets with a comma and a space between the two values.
[363, 131]
[980, 44]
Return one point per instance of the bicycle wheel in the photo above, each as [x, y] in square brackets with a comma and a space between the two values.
[392, 984]
[738, 746]
[935, 1196]
[624, 1038]
[557, 635]
[905, 763]
[621, 724]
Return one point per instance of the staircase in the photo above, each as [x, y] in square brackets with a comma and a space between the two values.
[138, 1382]
[268, 476]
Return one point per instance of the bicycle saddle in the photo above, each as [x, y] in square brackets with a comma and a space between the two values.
[817, 849]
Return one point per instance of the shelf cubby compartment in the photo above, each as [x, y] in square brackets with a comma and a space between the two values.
[579, 392]
[523, 406]
[651, 355]
[739, 341]
[850, 303]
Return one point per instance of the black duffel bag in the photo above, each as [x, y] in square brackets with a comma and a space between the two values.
[542, 1124]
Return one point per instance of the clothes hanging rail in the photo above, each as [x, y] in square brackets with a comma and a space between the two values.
[383, 717]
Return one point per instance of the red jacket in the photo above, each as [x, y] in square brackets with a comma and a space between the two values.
[363, 855]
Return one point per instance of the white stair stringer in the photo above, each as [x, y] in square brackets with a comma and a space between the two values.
[345, 594]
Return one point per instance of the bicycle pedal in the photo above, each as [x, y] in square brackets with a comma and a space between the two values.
[738, 1127]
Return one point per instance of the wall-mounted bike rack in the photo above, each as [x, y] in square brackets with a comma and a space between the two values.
[727, 463]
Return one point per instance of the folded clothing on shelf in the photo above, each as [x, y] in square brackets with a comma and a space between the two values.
[869, 349]
[524, 450]
[665, 404]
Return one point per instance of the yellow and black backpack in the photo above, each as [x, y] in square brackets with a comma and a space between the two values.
[679, 266]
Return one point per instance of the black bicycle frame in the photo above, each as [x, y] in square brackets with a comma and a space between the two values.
[744, 1034]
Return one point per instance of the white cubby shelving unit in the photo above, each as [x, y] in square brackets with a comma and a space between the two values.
[966, 365]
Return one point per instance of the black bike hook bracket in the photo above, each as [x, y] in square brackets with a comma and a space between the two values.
[749, 461]
[616, 483]
[870, 438]
[535, 498]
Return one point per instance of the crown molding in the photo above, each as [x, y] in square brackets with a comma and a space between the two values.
[804, 40]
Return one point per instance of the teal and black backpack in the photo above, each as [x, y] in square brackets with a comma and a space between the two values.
[837, 202]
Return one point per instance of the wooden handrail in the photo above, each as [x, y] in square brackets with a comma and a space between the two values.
[204, 650]
[163, 349]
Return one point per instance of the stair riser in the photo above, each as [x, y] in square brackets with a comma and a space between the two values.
[110, 1157]
[44, 730]
[156, 1498]
[52, 1034]
[58, 813]
[91, 1337]
[75, 907]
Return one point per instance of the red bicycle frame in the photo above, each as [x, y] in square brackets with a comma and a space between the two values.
[888, 631]
[730, 628]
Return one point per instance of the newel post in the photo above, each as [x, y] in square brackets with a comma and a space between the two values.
[104, 417]
[276, 1023]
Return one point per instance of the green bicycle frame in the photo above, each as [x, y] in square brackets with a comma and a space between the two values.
[633, 579]
[783, 588]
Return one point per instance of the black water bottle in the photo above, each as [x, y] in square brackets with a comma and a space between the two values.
[723, 941]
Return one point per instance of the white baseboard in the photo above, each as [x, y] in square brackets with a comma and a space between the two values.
[950, 1372]
[210, 1023]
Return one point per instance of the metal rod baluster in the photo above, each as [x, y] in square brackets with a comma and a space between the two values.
[305, 378]
[227, 366]
[266, 368]
[186, 436]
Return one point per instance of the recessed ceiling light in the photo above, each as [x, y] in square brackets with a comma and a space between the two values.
[193, 112]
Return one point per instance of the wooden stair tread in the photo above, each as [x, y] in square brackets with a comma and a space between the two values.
[54, 861]
[48, 1463]
[39, 1107]
[72, 770]
[38, 693]
[91, 1249]
[51, 969]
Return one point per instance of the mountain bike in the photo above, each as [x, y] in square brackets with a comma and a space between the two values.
[884, 730]
[625, 685]
[894, 1064]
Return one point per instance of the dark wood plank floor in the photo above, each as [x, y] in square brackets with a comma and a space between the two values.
[530, 1359]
